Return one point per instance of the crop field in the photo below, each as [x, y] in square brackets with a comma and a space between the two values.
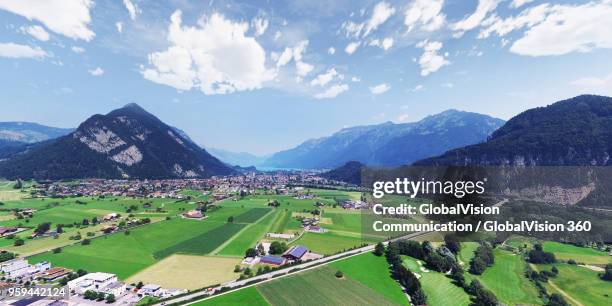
[248, 296]
[142, 246]
[248, 236]
[320, 287]
[188, 271]
[336, 194]
[251, 215]
[581, 284]
[507, 280]
[439, 289]
[566, 252]
[372, 271]
[328, 243]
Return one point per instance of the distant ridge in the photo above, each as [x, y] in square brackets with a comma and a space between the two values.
[389, 144]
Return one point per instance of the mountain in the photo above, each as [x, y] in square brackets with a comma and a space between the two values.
[349, 173]
[27, 132]
[242, 159]
[572, 132]
[126, 143]
[389, 144]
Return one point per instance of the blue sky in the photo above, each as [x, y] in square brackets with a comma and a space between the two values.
[264, 76]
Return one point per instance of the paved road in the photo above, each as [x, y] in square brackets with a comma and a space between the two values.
[302, 267]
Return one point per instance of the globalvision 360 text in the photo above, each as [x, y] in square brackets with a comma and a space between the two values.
[489, 226]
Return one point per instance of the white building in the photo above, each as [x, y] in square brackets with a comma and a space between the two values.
[15, 267]
[98, 282]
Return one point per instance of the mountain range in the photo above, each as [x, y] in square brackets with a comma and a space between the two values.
[389, 144]
[126, 143]
[572, 132]
[28, 132]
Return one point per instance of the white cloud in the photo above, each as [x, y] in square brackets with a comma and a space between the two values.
[96, 72]
[324, 78]
[403, 117]
[430, 61]
[214, 56]
[355, 79]
[12, 50]
[519, 3]
[352, 47]
[331, 50]
[277, 35]
[352, 29]
[66, 17]
[333, 91]
[119, 26]
[474, 20]
[385, 44]
[382, 12]
[568, 28]
[36, 31]
[303, 69]
[132, 9]
[527, 18]
[379, 89]
[419, 87]
[448, 85]
[594, 85]
[76, 49]
[260, 25]
[425, 14]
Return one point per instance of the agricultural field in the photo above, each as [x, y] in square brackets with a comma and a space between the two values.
[366, 281]
[247, 296]
[195, 271]
[248, 236]
[579, 285]
[439, 288]
[143, 246]
[566, 252]
[327, 243]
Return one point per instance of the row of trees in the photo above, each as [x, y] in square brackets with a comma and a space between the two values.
[403, 275]
[483, 258]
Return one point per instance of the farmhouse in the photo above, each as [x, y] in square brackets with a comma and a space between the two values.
[150, 290]
[99, 282]
[295, 252]
[54, 274]
[193, 214]
[273, 260]
[280, 236]
[111, 216]
[315, 229]
[14, 267]
[7, 230]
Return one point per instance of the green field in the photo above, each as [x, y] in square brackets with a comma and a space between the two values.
[580, 284]
[438, 288]
[127, 254]
[320, 287]
[328, 243]
[249, 236]
[372, 271]
[366, 281]
[507, 280]
[566, 252]
[467, 252]
[247, 296]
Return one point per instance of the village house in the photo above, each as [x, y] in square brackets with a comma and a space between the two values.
[273, 260]
[100, 282]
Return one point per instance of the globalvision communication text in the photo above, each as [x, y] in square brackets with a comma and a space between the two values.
[425, 215]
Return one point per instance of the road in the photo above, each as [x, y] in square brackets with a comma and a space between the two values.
[240, 284]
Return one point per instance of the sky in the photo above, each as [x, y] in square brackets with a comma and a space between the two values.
[263, 76]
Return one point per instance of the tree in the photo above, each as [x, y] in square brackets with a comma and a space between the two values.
[18, 184]
[418, 297]
[251, 252]
[86, 241]
[139, 285]
[379, 249]
[607, 275]
[237, 268]
[556, 300]
[90, 295]
[278, 247]
[230, 219]
[57, 250]
[452, 244]
[85, 222]
[110, 298]
[59, 228]
[260, 249]
[339, 274]
[42, 228]
[19, 242]
[101, 296]
[6, 256]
